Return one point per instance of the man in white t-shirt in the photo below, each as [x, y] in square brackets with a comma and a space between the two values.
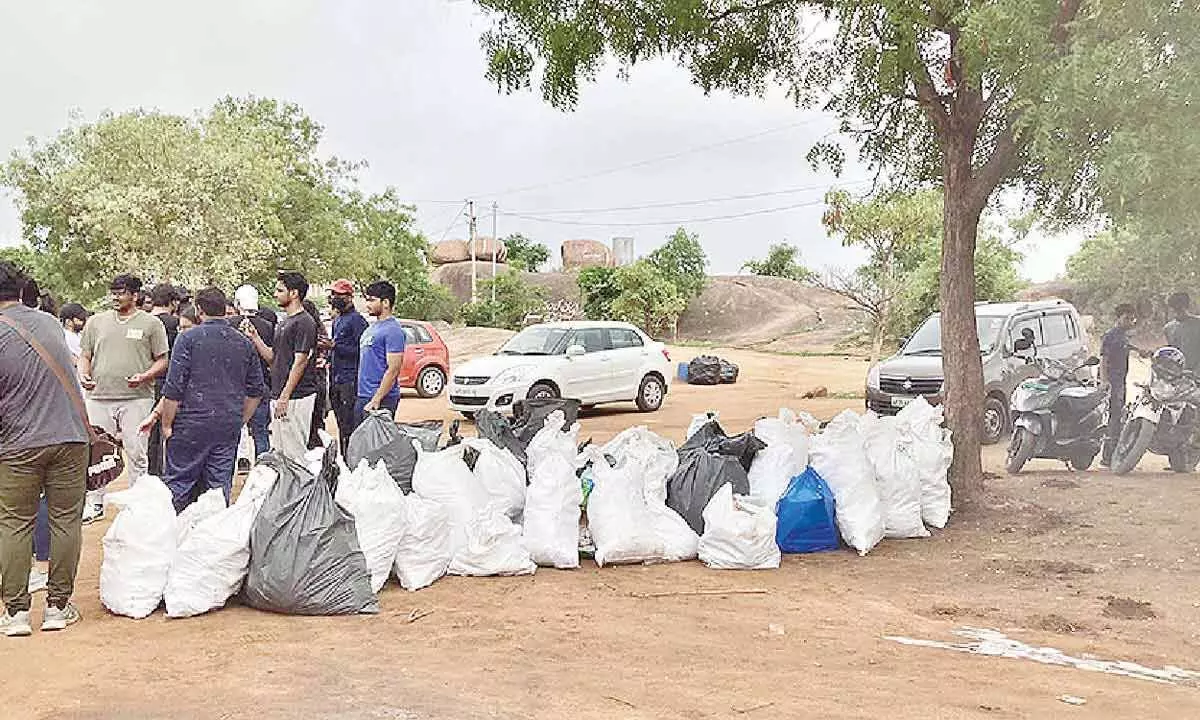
[74, 317]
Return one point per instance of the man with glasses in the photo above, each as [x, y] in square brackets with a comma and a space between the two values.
[348, 327]
[122, 352]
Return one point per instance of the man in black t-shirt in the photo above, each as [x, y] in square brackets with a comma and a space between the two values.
[253, 317]
[166, 303]
[1114, 374]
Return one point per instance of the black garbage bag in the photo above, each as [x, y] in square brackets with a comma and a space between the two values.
[379, 438]
[304, 553]
[429, 432]
[729, 372]
[531, 415]
[698, 478]
[492, 426]
[712, 438]
[704, 370]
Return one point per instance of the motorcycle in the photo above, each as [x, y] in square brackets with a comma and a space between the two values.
[1057, 416]
[1163, 418]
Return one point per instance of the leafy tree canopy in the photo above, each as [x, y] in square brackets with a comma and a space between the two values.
[647, 297]
[526, 254]
[682, 261]
[515, 299]
[781, 261]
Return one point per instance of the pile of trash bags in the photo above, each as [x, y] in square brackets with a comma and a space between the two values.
[326, 536]
[711, 370]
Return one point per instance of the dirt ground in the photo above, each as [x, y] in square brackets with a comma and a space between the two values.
[1088, 563]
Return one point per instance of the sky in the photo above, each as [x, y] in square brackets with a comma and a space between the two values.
[401, 85]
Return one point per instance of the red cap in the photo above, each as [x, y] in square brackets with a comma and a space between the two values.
[342, 287]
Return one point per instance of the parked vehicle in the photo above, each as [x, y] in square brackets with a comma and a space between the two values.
[426, 359]
[1163, 418]
[917, 369]
[593, 362]
[1058, 415]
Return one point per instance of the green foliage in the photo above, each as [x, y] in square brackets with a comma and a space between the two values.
[681, 260]
[515, 299]
[598, 288]
[42, 269]
[526, 254]
[781, 261]
[647, 297]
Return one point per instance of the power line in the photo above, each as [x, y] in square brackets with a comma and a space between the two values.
[764, 211]
[454, 221]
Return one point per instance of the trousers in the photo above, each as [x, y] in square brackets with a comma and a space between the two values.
[197, 462]
[342, 397]
[120, 418]
[289, 435]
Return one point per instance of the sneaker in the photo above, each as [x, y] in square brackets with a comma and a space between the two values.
[16, 625]
[37, 580]
[92, 513]
[59, 619]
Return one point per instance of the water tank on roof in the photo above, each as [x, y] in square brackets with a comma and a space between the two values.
[623, 251]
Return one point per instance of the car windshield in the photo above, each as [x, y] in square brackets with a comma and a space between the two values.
[535, 341]
[927, 340]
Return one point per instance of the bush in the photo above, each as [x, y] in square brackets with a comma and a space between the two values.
[647, 298]
[598, 288]
[515, 299]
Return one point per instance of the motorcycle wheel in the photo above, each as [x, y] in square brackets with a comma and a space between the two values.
[1082, 461]
[1182, 460]
[1135, 439]
[1020, 450]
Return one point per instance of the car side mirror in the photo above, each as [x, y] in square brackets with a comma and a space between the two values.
[575, 351]
[1022, 344]
[1093, 361]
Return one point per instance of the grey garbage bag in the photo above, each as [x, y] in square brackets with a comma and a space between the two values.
[379, 438]
[304, 553]
[704, 370]
[531, 416]
[492, 426]
[700, 475]
[427, 432]
[729, 372]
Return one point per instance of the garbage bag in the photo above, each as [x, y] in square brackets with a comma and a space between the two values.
[530, 415]
[443, 477]
[493, 547]
[207, 505]
[379, 438]
[620, 522]
[698, 478]
[807, 518]
[428, 432]
[934, 452]
[704, 370]
[839, 456]
[304, 552]
[494, 427]
[892, 451]
[699, 421]
[377, 504]
[138, 549]
[500, 473]
[656, 459]
[712, 438]
[551, 532]
[729, 372]
[425, 548]
[214, 557]
[738, 535]
[784, 457]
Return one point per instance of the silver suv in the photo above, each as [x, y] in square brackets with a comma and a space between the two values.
[917, 369]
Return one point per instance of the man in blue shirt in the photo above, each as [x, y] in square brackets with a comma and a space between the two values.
[1114, 373]
[348, 327]
[214, 384]
[381, 354]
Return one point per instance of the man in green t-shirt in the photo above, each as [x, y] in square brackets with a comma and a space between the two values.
[122, 351]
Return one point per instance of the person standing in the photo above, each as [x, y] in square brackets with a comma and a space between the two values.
[381, 354]
[320, 365]
[43, 450]
[74, 318]
[246, 299]
[1183, 331]
[122, 351]
[163, 297]
[293, 381]
[214, 384]
[1114, 375]
[348, 328]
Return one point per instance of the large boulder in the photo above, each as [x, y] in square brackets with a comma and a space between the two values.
[456, 251]
[586, 253]
[456, 277]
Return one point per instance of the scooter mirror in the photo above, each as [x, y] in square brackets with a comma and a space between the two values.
[1022, 344]
[1093, 361]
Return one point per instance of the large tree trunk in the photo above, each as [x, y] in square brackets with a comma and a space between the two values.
[963, 366]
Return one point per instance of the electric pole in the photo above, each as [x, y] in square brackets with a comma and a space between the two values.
[474, 280]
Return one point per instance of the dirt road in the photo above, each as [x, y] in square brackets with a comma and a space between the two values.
[1087, 563]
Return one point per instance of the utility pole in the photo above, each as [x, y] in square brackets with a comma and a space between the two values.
[495, 249]
[474, 280]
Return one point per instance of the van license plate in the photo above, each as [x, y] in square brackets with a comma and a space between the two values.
[899, 402]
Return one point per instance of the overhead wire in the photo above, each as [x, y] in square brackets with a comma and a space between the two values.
[686, 221]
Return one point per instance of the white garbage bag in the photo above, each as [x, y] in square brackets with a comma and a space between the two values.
[551, 532]
[493, 547]
[621, 523]
[785, 457]
[425, 548]
[214, 557]
[738, 535]
[891, 450]
[444, 477]
[934, 453]
[839, 456]
[377, 504]
[501, 474]
[138, 549]
[656, 458]
[207, 505]
[699, 421]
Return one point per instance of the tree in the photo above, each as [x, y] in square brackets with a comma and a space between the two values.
[598, 288]
[647, 298]
[526, 254]
[515, 299]
[970, 96]
[781, 261]
[682, 261]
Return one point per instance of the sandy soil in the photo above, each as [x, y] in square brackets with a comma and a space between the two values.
[1087, 563]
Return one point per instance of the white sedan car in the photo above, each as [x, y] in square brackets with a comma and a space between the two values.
[593, 362]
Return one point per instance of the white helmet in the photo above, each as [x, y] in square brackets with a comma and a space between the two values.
[246, 298]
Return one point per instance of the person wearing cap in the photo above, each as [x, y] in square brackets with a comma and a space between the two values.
[246, 300]
[348, 327]
[74, 318]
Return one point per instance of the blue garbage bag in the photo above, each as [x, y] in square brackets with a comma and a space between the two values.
[806, 516]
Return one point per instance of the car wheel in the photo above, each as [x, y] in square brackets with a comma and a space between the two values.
[542, 391]
[431, 382]
[651, 394]
[995, 420]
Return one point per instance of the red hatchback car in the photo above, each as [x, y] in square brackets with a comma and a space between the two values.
[426, 359]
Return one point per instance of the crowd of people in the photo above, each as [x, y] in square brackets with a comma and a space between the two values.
[175, 378]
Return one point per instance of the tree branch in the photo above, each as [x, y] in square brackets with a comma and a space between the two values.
[1001, 161]
[1068, 10]
[755, 8]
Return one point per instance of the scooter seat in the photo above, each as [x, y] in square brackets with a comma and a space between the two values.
[1080, 401]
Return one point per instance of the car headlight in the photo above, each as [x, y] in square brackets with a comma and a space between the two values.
[873, 378]
[514, 375]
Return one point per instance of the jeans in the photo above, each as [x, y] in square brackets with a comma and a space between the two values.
[342, 398]
[120, 418]
[198, 462]
[289, 435]
[1116, 416]
[260, 428]
[360, 403]
[60, 472]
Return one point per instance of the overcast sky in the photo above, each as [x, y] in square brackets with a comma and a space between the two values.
[399, 83]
